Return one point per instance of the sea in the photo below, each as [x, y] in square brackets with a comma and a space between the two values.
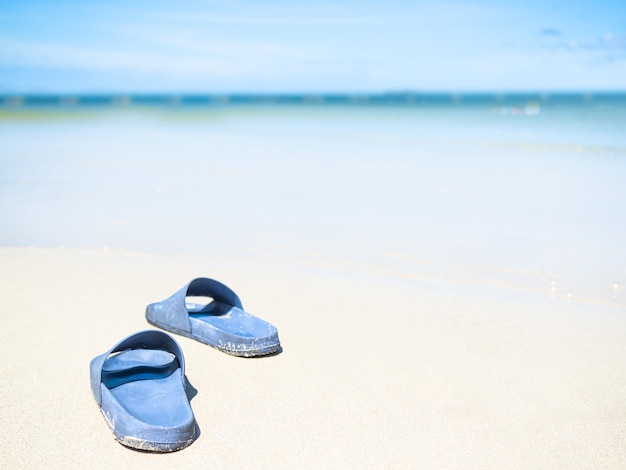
[517, 191]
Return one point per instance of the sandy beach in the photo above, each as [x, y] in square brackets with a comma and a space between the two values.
[438, 307]
[374, 374]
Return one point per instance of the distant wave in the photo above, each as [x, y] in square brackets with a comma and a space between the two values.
[383, 99]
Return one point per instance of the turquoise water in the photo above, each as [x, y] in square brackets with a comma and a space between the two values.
[402, 99]
[524, 196]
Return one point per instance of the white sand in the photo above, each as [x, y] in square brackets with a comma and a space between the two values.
[376, 372]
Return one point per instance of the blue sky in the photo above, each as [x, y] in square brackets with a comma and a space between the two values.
[323, 46]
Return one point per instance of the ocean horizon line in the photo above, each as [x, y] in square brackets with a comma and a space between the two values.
[69, 100]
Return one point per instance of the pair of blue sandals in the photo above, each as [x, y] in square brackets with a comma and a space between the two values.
[140, 383]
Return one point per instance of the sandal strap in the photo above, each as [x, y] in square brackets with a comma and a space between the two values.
[148, 339]
[173, 311]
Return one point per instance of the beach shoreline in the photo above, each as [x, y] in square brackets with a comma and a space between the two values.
[448, 286]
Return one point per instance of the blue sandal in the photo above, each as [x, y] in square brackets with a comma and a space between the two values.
[142, 392]
[222, 323]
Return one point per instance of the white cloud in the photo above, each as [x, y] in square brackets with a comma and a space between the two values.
[272, 20]
[44, 55]
[193, 42]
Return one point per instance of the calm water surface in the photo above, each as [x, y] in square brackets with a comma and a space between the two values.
[465, 193]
